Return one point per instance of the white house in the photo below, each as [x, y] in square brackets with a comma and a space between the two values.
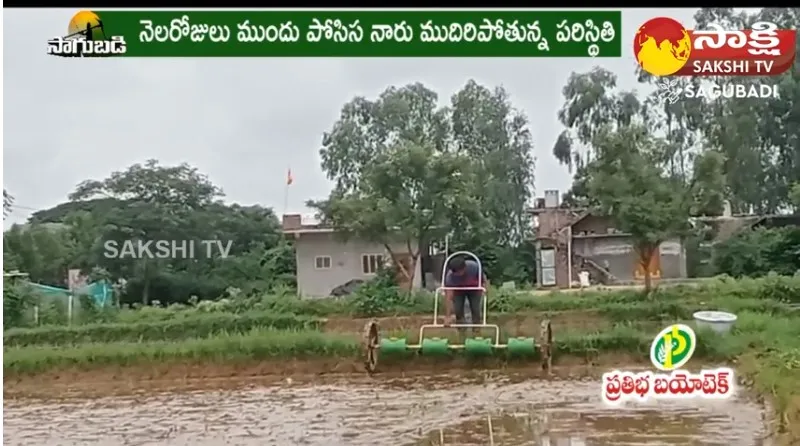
[325, 261]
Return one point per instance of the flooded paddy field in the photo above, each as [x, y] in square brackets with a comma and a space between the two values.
[451, 409]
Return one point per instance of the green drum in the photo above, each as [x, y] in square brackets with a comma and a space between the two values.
[521, 347]
[393, 346]
[478, 346]
[434, 347]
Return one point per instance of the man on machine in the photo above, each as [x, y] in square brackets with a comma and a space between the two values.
[464, 273]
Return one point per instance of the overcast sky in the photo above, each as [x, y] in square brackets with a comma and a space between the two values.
[243, 122]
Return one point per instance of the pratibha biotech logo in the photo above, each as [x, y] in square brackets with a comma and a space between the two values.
[673, 347]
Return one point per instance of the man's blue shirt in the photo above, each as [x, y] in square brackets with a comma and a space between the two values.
[470, 277]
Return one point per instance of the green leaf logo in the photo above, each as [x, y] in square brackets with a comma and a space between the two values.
[673, 347]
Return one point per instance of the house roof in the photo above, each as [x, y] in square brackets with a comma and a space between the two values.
[776, 221]
[535, 210]
[304, 224]
[308, 231]
[297, 224]
[581, 217]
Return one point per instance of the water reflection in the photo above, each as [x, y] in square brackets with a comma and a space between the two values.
[458, 410]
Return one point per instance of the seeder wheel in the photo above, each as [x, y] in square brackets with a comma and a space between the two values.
[371, 345]
[546, 345]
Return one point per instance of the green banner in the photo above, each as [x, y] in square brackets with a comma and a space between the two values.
[436, 33]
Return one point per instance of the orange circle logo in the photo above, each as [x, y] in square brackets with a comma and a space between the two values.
[662, 46]
[86, 24]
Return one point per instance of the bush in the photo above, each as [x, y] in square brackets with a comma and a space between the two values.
[773, 287]
[381, 297]
[16, 302]
[758, 252]
[201, 326]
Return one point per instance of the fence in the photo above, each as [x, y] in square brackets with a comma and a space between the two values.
[100, 292]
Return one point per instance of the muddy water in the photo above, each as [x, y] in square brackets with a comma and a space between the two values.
[403, 411]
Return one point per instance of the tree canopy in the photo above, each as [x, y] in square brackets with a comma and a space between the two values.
[8, 203]
[405, 168]
[651, 164]
[153, 202]
[755, 140]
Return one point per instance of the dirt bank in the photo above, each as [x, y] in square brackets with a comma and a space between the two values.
[460, 409]
[115, 381]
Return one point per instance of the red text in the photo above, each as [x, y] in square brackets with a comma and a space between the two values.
[763, 50]
[620, 386]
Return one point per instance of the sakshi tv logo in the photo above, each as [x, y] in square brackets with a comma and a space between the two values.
[664, 47]
[86, 36]
[671, 349]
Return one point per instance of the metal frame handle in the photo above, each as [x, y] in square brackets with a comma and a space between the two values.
[458, 253]
[480, 287]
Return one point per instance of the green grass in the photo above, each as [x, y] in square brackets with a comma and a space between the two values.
[769, 348]
[389, 302]
[616, 309]
[199, 326]
[754, 332]
[258, 344]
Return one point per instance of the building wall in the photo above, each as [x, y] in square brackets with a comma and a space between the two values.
[552, 220]
[592, 225]
[616, 254]
[346, 262]
[595, 239]
[548, 224]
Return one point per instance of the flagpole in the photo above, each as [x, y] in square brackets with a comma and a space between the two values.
[286, 199]
[286, 190]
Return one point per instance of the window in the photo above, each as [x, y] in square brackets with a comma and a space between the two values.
[322, 262]
[548, 266]
[371, 263]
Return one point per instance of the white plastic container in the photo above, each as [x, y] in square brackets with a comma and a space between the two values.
[719, 321]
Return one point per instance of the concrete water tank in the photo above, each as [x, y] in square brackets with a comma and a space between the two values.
[551, 198]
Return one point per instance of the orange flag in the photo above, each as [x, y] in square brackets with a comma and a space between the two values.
[289, 178]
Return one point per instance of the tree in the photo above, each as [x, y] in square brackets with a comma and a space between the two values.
[794, 197]
[634, 192]
[367, 128]
[480, 125]
[591, 103]
[42, 251]
[62, 211]
[149, 202]
[408, 194]
[8, 203]
[158, 201]
[708, 185]
[758, 252]
[487, 128]
[756, 136]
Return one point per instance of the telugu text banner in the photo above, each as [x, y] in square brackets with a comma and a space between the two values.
[366, 33]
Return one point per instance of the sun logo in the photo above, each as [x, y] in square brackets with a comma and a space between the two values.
[86, 24]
